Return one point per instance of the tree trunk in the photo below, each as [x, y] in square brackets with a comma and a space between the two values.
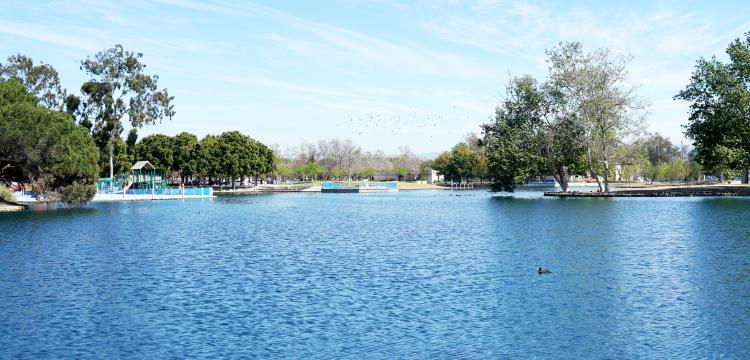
[598, 179]
[606, 176]
[111, 161]
[745, 176]
[562, 179]
[111, 165]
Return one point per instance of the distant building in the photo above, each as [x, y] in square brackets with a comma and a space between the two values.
[432, 176]
[394, 176]
[429, 176]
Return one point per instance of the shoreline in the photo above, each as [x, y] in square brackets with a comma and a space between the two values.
[7, 206]
[702, 190]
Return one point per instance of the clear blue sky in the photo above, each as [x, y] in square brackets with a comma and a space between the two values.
[381, 73]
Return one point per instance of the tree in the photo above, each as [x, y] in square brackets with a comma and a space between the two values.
[401, 172]
[45, 148]
[131, 143]
[719, 121]
[236, 155]
[282, 169]
[633, 158]
[209, 153]
[406, 159]
[159, 150]
[185, 159]
[660, 149]
[309, 171]
[337, 156]
[366, 173]
[536, 132]
[595, 88]
[119, 89]
[41, 80]
[442, 164]
[262, 161]
[464, 162]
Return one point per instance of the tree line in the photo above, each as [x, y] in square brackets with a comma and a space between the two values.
[465, 162]
[336, 159]
[184, 159]
[60, 142]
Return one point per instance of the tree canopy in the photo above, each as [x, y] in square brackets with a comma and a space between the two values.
[461, 164]
[45, 148]
[534, 133]
[118, 88]
[572, 121]
[40, 80]
[719, 120]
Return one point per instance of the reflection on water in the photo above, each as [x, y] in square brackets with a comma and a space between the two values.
[431, 274]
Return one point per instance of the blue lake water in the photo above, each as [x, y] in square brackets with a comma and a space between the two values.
[401, 275]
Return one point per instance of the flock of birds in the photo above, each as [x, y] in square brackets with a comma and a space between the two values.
[372, 122]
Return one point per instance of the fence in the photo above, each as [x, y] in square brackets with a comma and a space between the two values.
[197, 191]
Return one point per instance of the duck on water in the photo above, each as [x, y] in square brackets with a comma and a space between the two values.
[543, 271]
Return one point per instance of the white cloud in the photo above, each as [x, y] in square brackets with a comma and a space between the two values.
[52, 36]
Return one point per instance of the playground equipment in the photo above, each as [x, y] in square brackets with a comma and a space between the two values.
[143, 179]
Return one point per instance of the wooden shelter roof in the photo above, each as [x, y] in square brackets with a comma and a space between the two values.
[142, 165]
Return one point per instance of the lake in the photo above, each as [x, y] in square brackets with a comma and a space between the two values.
[423, 274]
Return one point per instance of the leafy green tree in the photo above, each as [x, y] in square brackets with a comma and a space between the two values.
[209, 154]
[119, 89]
[464, 162]
[443, 165]
[535, 132]
[237, 155]
[677, 170]
[282, 169]
[122, 160]
[309, 171]
[40, 80]
[130, 144]
[402, 171]
[367, 172]
[660, 149]
[694, 170]
[45, 148]
[262, 160]
[481, 169]
[158, 149]
[718, 124]
[634, 159]
[185, 159]
[594, 88]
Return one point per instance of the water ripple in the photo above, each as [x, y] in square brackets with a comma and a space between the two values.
[407, 275]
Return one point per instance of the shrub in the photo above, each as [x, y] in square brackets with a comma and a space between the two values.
[6, 195]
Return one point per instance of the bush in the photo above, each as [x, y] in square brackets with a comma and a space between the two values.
[76, 194]
[6, 195]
